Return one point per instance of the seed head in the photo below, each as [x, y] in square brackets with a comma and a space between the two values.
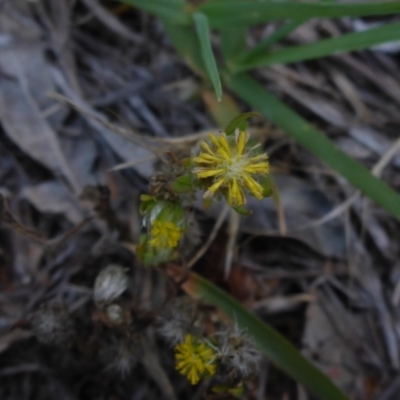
[178, 318]
[121, 354]
[52, 324]
[238, 352]
[110, 284]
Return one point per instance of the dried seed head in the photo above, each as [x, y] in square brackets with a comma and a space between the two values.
[115, 314]
[52, 324]
[178, 318]
[110, 284]
[121, 354]
[238, 353]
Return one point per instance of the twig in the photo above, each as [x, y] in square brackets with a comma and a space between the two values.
[211, 238]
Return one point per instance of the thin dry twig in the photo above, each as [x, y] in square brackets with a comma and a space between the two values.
[111, 22]
[211, 237]
[233, 230]
[341, 208]
[7, 219]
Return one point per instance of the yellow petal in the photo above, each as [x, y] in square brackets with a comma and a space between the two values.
[235, 194]
[203, 158]
[259, 168]
[213, 188]
[204, 145]
[241, 140]
[225, 155]
[206, 173]
[224, 143]
[214, 139]
[257, 158]
[255, 188]
[222, 147]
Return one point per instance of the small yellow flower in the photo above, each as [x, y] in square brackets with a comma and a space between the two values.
[230, 167]
[195, 359]
[165, 235]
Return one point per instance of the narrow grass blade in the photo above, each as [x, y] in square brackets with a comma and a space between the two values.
[322, 48]
[258, 51]
[315, 141]
[233, 42]
[280, 351]
[250, 12]
[173, 10]
[203, 32]
[186, 42]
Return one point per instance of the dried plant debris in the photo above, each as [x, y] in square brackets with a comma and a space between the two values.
[52, 324]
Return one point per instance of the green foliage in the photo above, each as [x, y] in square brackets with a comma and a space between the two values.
[270, 342]
[183, 184]
[240, 122]
[203, 32]
[349, 42]
[225, 13]
[315, 141]
[173, 10]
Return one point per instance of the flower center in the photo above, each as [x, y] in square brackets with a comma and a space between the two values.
[235, 168]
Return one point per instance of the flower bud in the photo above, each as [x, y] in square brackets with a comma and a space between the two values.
[110, 284]
[52, 324]
[115, 314]
[238, 352]
[178, 318]
[121, 354]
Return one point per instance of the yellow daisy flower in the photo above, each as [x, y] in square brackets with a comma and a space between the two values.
[230, 167]
[165, 235]
[195, 359]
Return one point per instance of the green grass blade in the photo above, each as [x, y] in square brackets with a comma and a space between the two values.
[258, 51]
[233, 42]
[322, 48]
[315, 141]
[203, 32]
[186, 43]
[279, 350]
[250, 12]
[172, 10]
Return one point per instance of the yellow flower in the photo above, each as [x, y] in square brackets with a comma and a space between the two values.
[195, 359]
[230, 166]
[165, 235]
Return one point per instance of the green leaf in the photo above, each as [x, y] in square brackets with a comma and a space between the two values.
[186, 42]
[268, 185]
[225, 13]
[315, 141]
[183, 184]
[259, 50]
[233, 42]
[203, 33]
[322, 48]
[151, 256]
[279, 350]
[171, 10]
[242, 210]
[240, 122]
